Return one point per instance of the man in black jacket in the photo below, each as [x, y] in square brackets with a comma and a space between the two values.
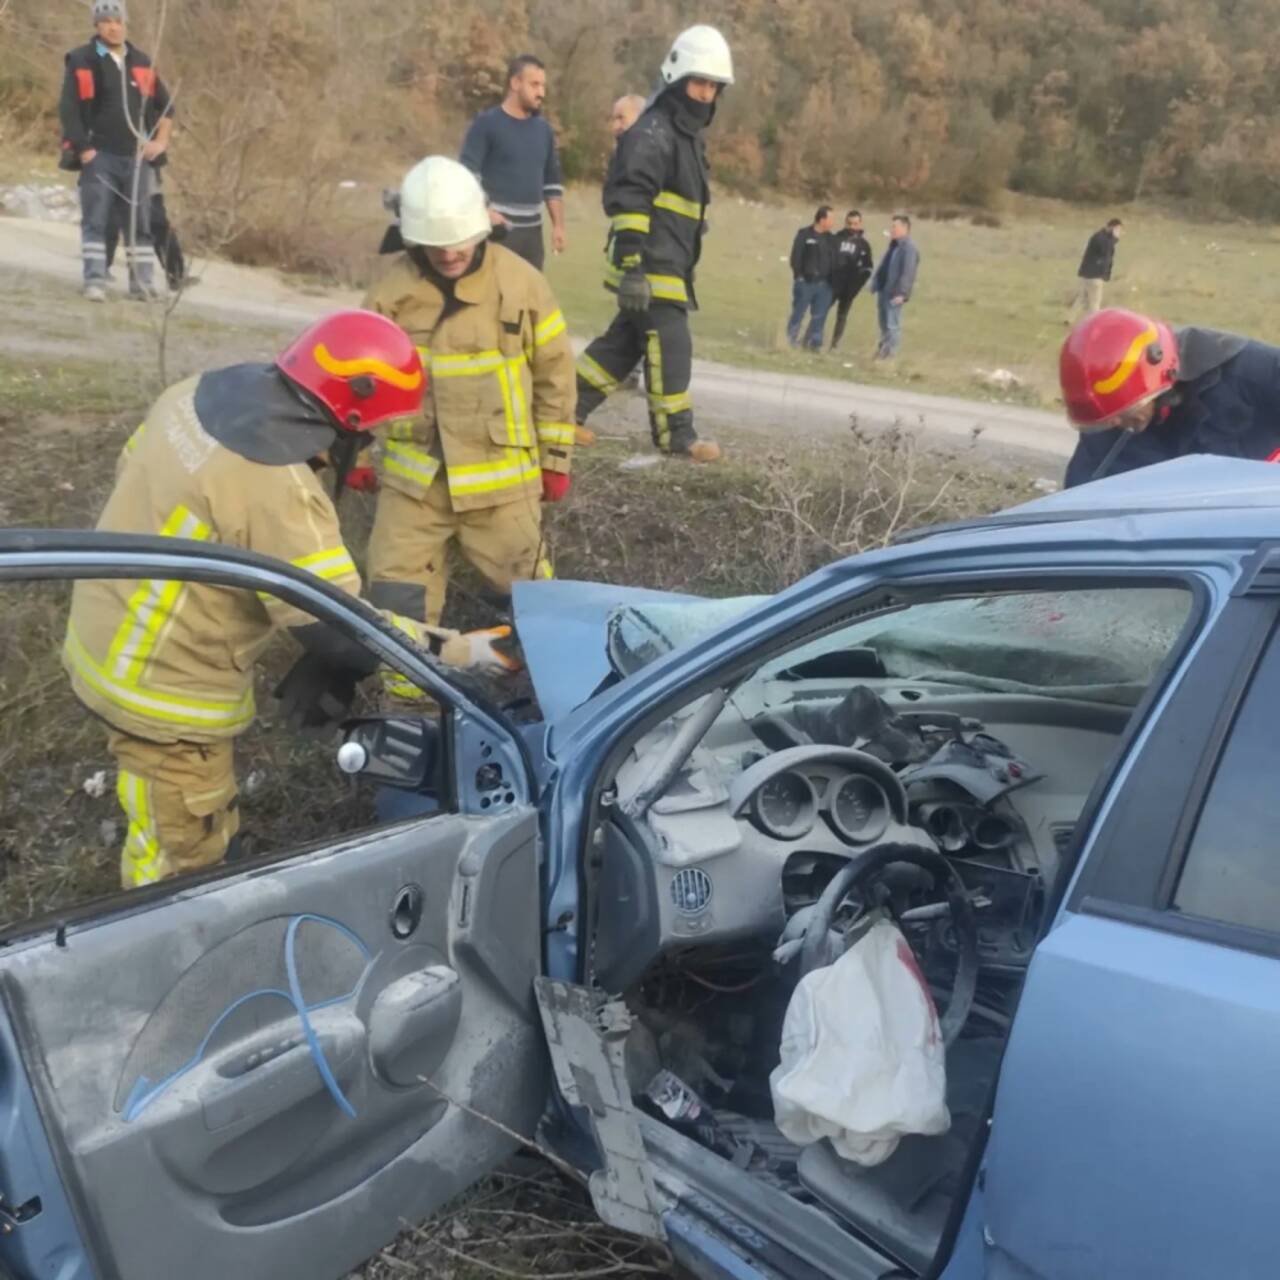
[116, 120]
[1095, 269]
[853, 266]
[656, 197]
[811, 263]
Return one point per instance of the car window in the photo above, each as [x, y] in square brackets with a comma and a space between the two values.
[136, 750]
[1232, 869]
[1102, 644]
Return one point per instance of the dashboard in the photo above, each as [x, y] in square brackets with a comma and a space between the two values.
[748, 831]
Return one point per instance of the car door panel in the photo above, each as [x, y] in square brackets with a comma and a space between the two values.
[1136, 1118]
[236, 1078]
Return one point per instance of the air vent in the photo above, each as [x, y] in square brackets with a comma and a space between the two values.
[691, 891]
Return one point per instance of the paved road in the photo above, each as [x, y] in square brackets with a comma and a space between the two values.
[725, 394]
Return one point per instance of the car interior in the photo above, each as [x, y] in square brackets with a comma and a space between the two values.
[928, 763]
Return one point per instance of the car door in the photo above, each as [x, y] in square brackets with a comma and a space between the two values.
[266, 1068]
[1137, 1119]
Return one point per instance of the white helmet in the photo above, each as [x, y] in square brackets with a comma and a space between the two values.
[442, 205]
[701, 51]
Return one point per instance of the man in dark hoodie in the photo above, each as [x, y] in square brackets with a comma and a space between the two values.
[656, 197]
[853, 267]
[116, 119]
[1140, 392]
[231, 456]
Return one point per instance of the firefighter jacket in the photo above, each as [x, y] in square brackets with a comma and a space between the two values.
[107, 107]
[1226, 401]
[501, 386]
[656, 197]
[174, 661]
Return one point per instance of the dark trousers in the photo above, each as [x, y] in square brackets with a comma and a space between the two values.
[813, 296]
[527, 242]
[660, 337]
[844, 300]
[163, 237]
[106, 194]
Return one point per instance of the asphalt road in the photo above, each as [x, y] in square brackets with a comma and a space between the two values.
[728, 397]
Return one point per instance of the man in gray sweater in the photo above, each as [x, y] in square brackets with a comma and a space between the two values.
[512, 150]
[892, 284]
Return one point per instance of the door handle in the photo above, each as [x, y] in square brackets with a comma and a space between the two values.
[279, 1082]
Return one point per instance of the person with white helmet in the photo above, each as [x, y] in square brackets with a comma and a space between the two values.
[656, 197]
[496, 435]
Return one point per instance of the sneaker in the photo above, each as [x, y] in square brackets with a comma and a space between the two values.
[583, 436]
[145, 293]
[94, 293]
[704, 451]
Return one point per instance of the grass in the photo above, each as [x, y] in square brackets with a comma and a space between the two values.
[987, 297]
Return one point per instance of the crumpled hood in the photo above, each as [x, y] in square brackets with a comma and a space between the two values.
[563, 629]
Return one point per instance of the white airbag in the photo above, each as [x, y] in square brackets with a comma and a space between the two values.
[862, 1054]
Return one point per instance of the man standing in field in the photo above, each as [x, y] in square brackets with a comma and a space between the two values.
[116, 119]
[1095, 269]
[811, 264]
[656, 197]
[892, 284]
[512, 150]
[853, 265]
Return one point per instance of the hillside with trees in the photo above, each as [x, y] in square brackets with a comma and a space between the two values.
[905, 101]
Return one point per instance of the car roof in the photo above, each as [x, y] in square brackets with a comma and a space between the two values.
[1210, 492]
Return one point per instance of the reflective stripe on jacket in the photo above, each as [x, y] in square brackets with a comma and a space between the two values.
[656, 196]
[500, 399]
[173, 661]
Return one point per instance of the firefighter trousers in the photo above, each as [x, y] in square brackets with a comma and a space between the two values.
[408, 548]
[181, 803]
[660, 337]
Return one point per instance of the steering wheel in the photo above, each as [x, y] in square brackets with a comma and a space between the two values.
[859, 876]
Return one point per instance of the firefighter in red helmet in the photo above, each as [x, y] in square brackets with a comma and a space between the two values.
[1141, 392]
[231, 456]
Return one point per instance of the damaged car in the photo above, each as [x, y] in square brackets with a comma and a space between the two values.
[921, 920]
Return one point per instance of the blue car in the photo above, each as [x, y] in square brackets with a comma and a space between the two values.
[1040, 743]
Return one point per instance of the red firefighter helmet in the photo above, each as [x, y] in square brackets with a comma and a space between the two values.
[1114, 361]
[362, 367]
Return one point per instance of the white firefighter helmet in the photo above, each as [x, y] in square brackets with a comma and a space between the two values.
[700, 51]
[442, 204]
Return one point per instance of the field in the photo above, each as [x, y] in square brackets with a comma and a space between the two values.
[987, 297]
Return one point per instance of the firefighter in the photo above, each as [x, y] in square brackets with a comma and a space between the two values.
[496, 435]
[1140, 392]
[230, 457]
[656, 197]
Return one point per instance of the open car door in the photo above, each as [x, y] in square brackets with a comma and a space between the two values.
[267, 1068]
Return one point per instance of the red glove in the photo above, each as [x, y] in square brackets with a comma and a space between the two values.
[555, 485]
[363, 479]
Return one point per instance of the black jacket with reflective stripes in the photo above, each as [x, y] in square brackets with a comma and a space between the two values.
[656, 196]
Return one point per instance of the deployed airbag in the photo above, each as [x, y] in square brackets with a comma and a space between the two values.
[863, 1061]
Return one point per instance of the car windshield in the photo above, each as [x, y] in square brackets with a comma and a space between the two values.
[1102, 644]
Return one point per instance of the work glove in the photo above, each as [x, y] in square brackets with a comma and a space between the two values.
[634, 291]
[555, 486]
[493, 651]
[362, 479]
[315, 694]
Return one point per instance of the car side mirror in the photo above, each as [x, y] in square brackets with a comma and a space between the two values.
[392, 751]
